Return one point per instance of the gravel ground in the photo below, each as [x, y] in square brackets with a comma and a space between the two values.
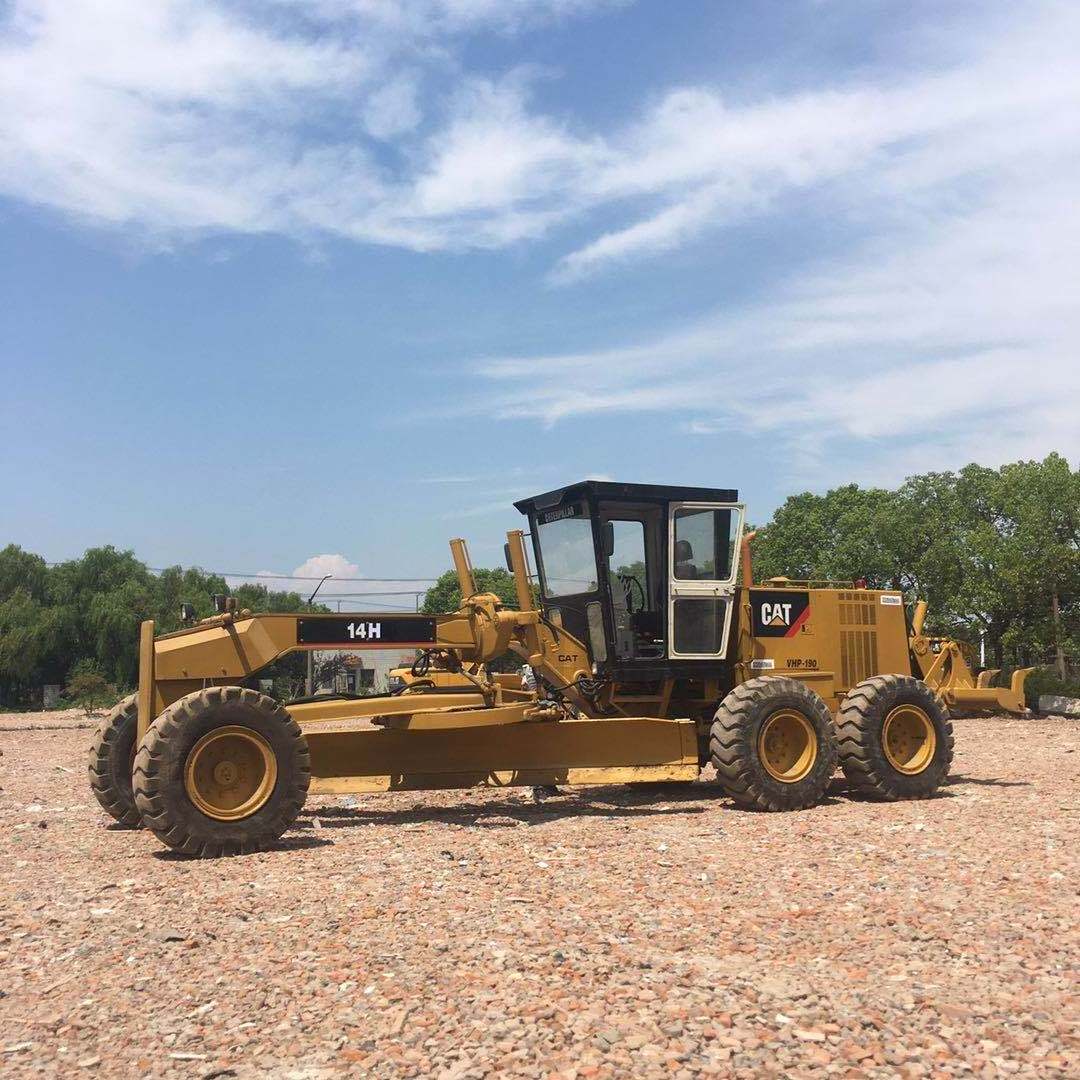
[608, 932]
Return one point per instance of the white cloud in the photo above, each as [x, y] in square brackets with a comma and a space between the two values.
[318, 565]
[393, 109]
[181, 117]
[664, 230]
[349, 589]
[186, 116]
[305, 577]
[952, 335]
[950, 325]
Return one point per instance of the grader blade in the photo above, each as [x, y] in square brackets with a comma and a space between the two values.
[945, 669]
[983, 697]
[590, 751]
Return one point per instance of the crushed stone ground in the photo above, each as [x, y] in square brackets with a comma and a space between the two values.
[610, 932]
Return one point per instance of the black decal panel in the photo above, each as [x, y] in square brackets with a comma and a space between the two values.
[571, 510]
[367, 631]
[780, 613]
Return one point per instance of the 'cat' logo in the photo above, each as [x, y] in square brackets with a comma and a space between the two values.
[780, 614]
[776, 614]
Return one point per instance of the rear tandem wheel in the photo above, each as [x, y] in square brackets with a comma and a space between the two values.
[895, 738]
[772, 744]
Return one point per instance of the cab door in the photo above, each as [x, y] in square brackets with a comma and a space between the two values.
[703, 544]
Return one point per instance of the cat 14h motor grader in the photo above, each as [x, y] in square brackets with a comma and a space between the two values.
[650, 663]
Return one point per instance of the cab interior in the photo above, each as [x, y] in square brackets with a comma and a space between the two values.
[642, 574]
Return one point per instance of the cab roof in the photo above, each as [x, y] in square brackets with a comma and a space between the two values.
[609, 490]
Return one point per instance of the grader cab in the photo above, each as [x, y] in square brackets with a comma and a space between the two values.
[651, 663]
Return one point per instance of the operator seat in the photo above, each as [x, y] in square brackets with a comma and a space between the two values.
[685, 569]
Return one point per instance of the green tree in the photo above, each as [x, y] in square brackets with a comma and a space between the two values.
[23, 571]
[23, 644]
[89, 609]
[89, 689]
[1041, 501]
[847, 533]
[445, 595]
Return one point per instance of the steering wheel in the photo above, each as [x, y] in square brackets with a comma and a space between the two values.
[629, 584]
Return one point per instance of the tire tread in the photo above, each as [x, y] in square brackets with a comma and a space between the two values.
[116, 801]
[856, 741]
[155, 771]
[731, 740]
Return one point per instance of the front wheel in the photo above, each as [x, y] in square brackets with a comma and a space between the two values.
[222, 771]
[112, 755]
[772, 744]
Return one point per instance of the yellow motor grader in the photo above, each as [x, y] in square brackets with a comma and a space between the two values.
[650, 663]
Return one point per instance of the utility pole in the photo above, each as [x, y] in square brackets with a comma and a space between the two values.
[311, 652]
[1059, 651]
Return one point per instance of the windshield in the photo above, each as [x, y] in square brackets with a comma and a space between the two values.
[567, 558]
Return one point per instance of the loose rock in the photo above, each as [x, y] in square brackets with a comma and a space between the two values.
[606, 933]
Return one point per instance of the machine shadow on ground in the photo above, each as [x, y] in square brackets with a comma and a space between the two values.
[986, 781]
[289, 842]
[618, 801]
[511, 811]
[638, 801]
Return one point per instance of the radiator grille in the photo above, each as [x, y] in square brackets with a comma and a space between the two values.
[857, 610]
[858, 647]
[858, 655]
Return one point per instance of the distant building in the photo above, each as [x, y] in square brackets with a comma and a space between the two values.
[365, 671]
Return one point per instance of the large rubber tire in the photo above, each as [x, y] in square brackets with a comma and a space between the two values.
[736, 744]
[111, 755]
[163, 793]
[860, 738]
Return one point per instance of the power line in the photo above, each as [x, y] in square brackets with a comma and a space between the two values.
[256, 574]
[286, 577]
[343, 595]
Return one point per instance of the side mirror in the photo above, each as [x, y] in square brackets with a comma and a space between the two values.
[220, 602]
[506, 556]
[187, 613]
[609, 538]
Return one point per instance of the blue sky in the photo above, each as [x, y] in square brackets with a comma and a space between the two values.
[296, 286]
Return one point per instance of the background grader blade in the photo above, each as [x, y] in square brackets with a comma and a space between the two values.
[944, 668]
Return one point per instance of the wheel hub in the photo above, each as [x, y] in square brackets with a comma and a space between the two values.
[909, 739]
[787, 746]
[230, 773]
[226, 773]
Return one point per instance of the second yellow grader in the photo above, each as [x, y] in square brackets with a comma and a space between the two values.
[650, 662]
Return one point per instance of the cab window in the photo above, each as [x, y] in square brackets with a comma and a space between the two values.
[626, 564]
[703, 545]
[569, 561]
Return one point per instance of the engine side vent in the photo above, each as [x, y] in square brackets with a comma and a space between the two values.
[857, 610]
[858, 655]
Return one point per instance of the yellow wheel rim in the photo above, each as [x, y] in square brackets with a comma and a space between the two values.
[908, 739]
[787, 746]
[230, 773]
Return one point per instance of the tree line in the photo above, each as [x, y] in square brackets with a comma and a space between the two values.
[995, 552]
[60, 622]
